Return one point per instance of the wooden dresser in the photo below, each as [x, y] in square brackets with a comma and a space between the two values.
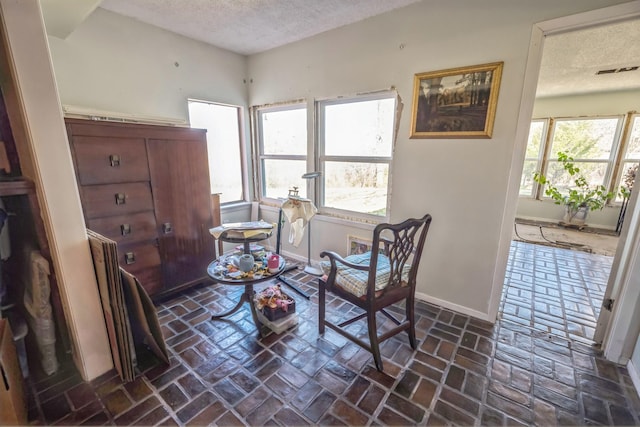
[147, 187]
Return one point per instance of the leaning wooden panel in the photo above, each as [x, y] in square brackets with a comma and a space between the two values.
[108, 276]
[146, 330]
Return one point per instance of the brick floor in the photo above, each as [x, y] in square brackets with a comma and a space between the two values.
[529, 368]
[555, 291]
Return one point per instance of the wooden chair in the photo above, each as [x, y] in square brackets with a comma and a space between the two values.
[375, 280]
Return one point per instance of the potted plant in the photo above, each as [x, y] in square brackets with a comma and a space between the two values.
[580, 199]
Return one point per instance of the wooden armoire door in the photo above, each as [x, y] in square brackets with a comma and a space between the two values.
[181, 196]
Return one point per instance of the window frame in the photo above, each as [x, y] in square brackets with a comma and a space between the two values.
[320, 158]
[546, 124]
[260, 181]
[631, 119]
[616, 156]
[242, 147]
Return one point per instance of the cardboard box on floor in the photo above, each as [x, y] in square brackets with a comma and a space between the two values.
[12, 390]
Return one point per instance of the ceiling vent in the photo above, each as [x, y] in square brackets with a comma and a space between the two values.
[618, 70]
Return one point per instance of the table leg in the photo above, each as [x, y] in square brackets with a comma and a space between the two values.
[247, 297]
[243, 299]
[256, 321]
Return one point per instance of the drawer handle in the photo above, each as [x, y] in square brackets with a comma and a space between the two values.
[120, 199]
[129, 258]
[167, 228]
[125, 229]
[114, 159]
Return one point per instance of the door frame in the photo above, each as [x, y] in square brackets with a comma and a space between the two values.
[620, 326]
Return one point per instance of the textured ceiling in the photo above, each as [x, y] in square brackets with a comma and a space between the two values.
[251, 26]
[571, 60]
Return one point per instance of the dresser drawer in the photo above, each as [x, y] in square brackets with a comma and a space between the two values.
[143, 261]
[125, 229]
[116, 199]
[136, 257]
[103, 160]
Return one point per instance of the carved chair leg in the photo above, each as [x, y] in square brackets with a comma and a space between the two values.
[321, 306]
[373, 339]
[409, 306]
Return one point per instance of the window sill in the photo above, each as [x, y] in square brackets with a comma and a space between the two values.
[334, 219]
[234, 206]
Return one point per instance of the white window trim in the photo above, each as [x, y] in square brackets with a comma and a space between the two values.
[259, 146]
[320, 158]
[611, 176]
[243, 150]
[540, 157]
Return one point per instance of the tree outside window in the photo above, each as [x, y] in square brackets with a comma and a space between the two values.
[356, 137]
[352, 147]
[593, 143]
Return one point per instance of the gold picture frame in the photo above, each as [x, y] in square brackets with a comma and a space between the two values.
[456, 103]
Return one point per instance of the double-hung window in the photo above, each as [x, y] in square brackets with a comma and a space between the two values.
[533, 156]
[355, 146]
[352, 147]
[223, 123]
[593, 143]
[282, 149]
[631, 159]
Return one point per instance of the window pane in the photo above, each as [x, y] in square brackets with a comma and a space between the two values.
[359, 187]
[363, 128]
[526, 182]
[533, 142]
[223, 146]
[281, 175]
[633, 149]
[284, 132]
[594, 172]
[584, 138]
[629, 171]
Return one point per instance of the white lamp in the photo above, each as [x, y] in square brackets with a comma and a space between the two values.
[309, 269]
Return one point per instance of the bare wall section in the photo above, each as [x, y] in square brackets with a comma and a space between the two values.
[114, 63]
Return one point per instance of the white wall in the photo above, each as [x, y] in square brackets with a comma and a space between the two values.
[461, 182]
[613, 103]
[115, 63]
[610, 103]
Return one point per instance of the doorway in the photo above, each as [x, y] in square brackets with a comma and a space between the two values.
[602, 17]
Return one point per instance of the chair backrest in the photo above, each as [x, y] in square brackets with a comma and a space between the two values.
[403, 244]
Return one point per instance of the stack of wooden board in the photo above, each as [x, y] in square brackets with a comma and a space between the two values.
[105, 261]
[130, 317]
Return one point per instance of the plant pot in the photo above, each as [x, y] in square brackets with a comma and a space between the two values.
[575, 216]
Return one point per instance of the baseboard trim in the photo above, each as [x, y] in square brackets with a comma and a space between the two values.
[455, 307]
[635, 377]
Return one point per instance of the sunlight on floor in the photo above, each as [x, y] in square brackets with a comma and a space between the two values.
[555, 291]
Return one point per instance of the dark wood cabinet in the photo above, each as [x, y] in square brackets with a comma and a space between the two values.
[179, 174]
[147, 187]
